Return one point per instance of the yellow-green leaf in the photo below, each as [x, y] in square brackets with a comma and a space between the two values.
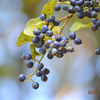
[31, 26]
[48, 9]
[34, 53]
[56, 30]
[22, 39]
[78, 25]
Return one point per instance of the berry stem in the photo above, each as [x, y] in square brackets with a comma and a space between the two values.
[68, 16]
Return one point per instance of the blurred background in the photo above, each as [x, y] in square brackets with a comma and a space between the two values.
[70, 78]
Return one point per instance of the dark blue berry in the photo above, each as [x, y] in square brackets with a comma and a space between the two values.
[44, 29]
[62, 43]
[64, 7]
[46, 71]
[58, 37]
[64, 50]
[41, 36]
[42, 50]
[71, 9]
[51, 18]
[49, 33]
[28, 57]
[35, 40]
[78, 8]
[56, 22]
[87, 3]
[98, 23]
[35, 85]
[65, 39]
[49, 56]
[39, 73]
[94, 27]
[97, 9]
[80, 15]
[42, 17]
[94, 14]
[72, 35]
[30, 64]
[94, 20]
[97, 51]
[54, 51]
[23, 56]
[21, 78]
[59, 54]
[57, 8]
[77, 41]
[40, 66]
[44, 78]
[80, 2]
[36, 32]
[56, 44]
[72, 2]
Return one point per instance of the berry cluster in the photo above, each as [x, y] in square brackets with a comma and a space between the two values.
[88, 8]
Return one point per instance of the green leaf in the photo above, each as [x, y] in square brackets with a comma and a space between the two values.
[56, 30]
[31, 26]
[77, 25]
[22, 39]
[34, 53]
[48, 9]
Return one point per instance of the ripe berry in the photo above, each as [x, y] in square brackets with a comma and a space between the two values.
[21, 78]
[78, 8]
[62, 43]
[65, 39]
[56, 44]
[64, 7]
[72, 35]
[56, 22]
[64, 50]
[42, 17]
[97, 51]
[94, 14]
[98, 23]
[35, 40]
[77, 41]
[72, 2]
[44, 29]
[70, 49]
[80, 15]
[30, 64]
[58, 37]
[59, 55]
[35, 85]
[87, 3]
[49, 56]
[23, 56]
[51, 18]
[42, 50]
[46, 71]
[36, 32]
[49, 33]
[41, 36]
[54, 51]
[28, 57]
[39, 73]
[57, 8]
[44, 78]
[94, 27]
[71, 9]
[94, 20]
[40, 66]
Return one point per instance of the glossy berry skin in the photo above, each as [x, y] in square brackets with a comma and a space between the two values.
[36, 32]
[72, 35]
[42, 50]
[51, 18]
[30, 64]
[44, 78]
[41, 42]
[94, 20]
[64, 7]
[72, 2]
[21, 78]
[56, 44]
[49, 41]
[46, 71]
[65, 39]
[56, 22]
[94, 14]
[40, 66]
[57, 8]
[28, 57]
[44, 29]
[23, 56]
[97, 51]
[59, 55]
[39, 73]
[87, 13]
[98, 23]
[41, 36]
[49, 56]
[35, 40]
[71, 9]
[54, 51]
[77, 41]
[78, 8]
[80, 15]
[42, 17]
[62, 43]
[35, 85]
[49, 33]
[87, 3]
[94, 27]
[64, 50]
[97, 9]
[58, 37]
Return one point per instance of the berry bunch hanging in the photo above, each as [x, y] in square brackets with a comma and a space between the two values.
[44, 34]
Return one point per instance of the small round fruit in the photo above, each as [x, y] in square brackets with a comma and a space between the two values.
[21, 78]
[97, 51]
[57, 8]
[28, 57]
[42, 50]
[94, 14]
[40, 66]
[39, 73]
[64, 7]
[42, 17]
[30, 64]
[35, 85]
[44, 78]
[51, 18]
[36, 32]
[35, 40]
[56, 22]
[44, 29]
[46, 71]
[72, 35]
[49, 33]
[94, 27]
[77, 41]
